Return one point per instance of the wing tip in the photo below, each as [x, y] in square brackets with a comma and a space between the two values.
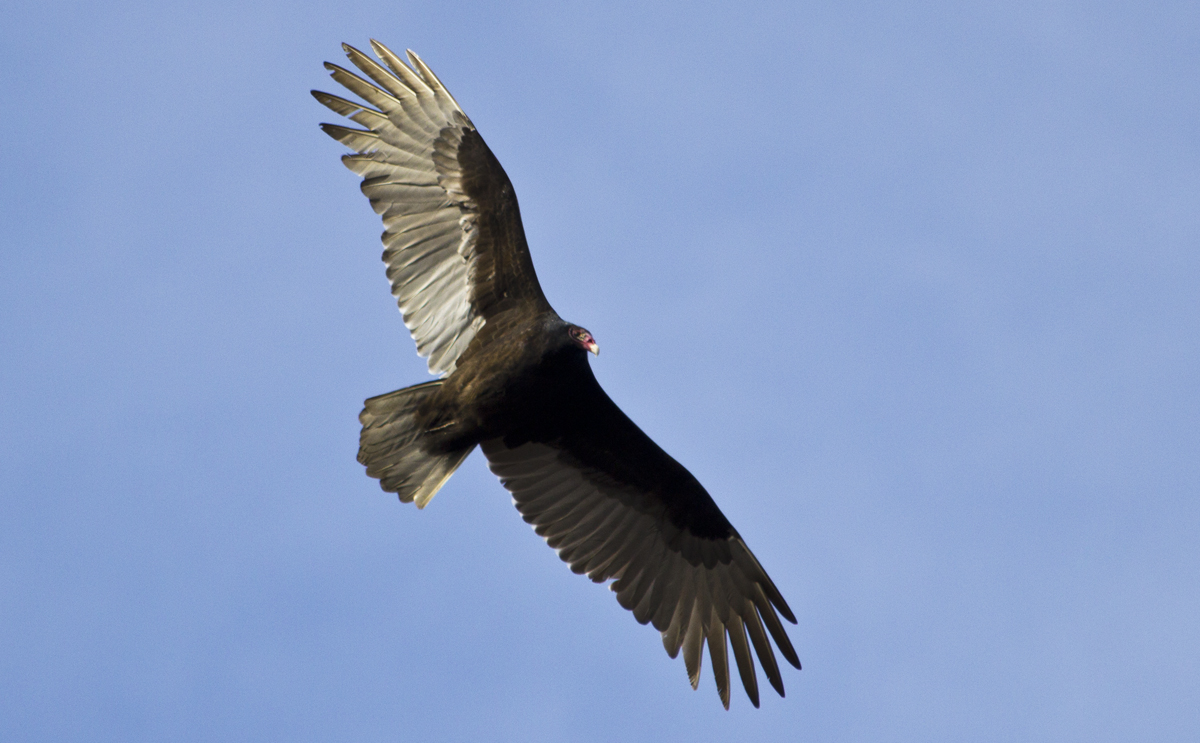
[781, 605]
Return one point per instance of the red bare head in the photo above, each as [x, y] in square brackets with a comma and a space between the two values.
[584, 339]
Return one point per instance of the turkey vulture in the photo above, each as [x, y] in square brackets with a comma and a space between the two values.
[515, 381]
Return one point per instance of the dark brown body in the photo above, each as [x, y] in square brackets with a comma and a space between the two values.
[531, 382]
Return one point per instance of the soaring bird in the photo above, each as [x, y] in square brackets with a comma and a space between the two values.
[515, 380]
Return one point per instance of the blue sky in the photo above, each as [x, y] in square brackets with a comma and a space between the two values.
[914, 291]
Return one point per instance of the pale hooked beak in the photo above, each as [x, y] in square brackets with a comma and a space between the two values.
[593, 347]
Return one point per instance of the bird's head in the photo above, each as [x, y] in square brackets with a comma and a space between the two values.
[583, 339]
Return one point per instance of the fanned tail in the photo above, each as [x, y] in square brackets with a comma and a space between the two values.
[395, 450]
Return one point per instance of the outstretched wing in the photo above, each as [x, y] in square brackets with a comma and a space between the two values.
[454, 245]
[616, 506]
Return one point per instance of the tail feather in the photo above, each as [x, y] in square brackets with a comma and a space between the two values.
[390, 445]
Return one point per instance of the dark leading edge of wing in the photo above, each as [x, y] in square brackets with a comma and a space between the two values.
[616, 506]
[455, 247]
[611, 502]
